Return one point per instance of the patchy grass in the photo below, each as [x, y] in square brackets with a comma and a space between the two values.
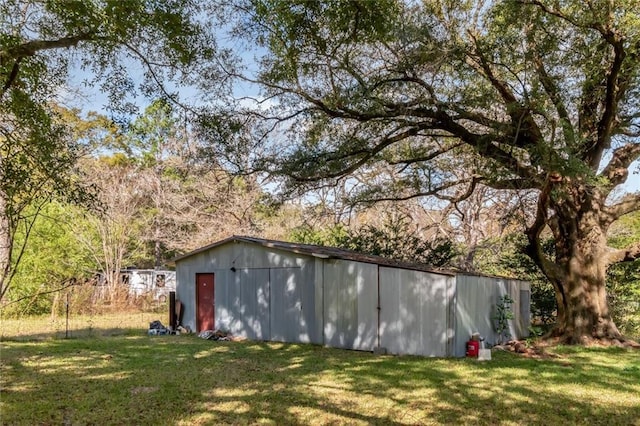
[136, 379]
[49, 327]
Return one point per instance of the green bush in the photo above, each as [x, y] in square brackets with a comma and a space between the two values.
[394, 240]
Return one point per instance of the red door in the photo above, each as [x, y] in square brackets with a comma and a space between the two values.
[205, 299]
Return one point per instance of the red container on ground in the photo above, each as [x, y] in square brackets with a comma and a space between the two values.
[473, 346]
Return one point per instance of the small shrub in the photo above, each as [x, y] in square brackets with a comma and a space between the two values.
[535, 331]
[502, 316]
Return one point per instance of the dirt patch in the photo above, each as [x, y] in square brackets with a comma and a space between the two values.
[521, 348]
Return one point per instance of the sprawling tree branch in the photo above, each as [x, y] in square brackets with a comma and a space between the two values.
[617, 170]
[483, 144]
[423, 158]
[473, 183]
[534, 248]
[628, 204]
[31, 47]
[11, 77]
[610, 101]
[526, 131]
[364, 154]
[628, 254]
[17, 53]
[432, 191]
[553, 92]
[474, 116]
[513, 184]
[559, 14]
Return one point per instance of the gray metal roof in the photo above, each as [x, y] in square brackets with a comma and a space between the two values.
[323, 252]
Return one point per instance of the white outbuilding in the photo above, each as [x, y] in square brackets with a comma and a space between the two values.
[289, 292]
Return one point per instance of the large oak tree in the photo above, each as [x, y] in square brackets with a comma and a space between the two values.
[518, 95]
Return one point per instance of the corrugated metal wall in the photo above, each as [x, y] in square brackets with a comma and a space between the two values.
[476, 302]
[520, 292]
[350, 304]
[242, 303]
[414, 314]
[185, 289]
[294, 305]
[270, 296]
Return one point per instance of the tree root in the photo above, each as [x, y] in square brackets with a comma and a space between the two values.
[555, 339]
[542, 348]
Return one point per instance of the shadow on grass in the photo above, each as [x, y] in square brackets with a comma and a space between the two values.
[77, 333]
[182, 379]
[77, 326]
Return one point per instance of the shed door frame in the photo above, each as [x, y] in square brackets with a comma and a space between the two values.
[204, 279]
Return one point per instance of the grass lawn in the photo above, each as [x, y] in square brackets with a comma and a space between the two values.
[102, 376]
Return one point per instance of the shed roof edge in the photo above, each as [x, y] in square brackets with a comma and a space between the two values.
[324, 252]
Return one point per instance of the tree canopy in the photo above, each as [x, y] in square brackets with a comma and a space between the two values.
[41, 44]
[521, 95]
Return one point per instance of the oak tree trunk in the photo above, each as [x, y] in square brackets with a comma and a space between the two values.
[580, 268]
[583, 310]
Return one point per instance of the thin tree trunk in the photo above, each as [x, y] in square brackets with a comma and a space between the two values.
[157, 253]
[6, 245]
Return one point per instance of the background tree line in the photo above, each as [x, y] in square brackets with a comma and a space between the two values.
[158, 196]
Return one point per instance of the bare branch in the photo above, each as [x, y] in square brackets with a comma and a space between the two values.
[466, 194]
[6, 276]
[70, 283]
[618, 168]
[434, 191]
[157, 80]
[628, 204]
[430, 156]
[628, 254]
[32, 47]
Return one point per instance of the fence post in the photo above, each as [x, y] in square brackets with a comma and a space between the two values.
[66, 331]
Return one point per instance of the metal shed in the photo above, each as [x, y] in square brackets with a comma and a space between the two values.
[289, 292]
